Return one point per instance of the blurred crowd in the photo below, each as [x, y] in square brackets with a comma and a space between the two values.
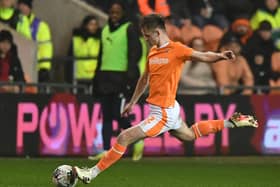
[249, 28]
[18, 15]
[111, 58]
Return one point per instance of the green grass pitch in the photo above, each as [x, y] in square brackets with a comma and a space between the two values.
[152, 172]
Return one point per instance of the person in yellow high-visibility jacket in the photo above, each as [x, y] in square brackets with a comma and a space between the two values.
[12, 17]
[270, 11]
[84, 48]
[40, 32]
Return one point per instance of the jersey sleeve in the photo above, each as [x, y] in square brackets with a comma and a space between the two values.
[185, 52]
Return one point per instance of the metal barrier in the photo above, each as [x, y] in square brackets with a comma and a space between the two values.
[219, 90]
[48, 88]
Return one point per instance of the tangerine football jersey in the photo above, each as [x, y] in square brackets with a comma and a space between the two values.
[165, 66]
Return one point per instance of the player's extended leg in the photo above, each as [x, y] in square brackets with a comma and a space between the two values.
[159, 121]
[126, 138]
[203, 128]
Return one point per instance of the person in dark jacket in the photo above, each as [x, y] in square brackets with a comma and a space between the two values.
[117, 71]
[258, 52]
[10, 65]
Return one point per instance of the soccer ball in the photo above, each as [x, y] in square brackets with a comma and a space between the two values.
[63, 176]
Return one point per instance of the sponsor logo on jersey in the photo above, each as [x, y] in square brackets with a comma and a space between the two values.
[158, 60]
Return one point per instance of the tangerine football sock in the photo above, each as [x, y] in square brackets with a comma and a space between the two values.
[112, 156]
[203, 128]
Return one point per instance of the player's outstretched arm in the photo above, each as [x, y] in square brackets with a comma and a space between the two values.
[211, 57]
[139, 90]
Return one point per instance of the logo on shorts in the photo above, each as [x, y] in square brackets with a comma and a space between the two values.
[149, 119]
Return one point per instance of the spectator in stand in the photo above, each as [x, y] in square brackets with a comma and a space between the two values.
[117, 72]
[197, 74]
[258, 52]
[84, 48]
[235, 9]
[233, 73]
[12, 17]
[270, 11]
[10, 65]
[208, 12]
[240, 29]
[41, 34]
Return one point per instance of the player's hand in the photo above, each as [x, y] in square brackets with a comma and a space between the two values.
[228, 55]
[127, 109]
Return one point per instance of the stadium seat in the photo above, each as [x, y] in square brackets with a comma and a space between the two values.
[190, 32]
[275, 62]
[212, 36]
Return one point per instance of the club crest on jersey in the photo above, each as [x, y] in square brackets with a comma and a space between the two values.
[158, 60]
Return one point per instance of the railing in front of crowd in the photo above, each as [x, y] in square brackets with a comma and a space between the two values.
[220, 90]
[44, 88]
[49, 88]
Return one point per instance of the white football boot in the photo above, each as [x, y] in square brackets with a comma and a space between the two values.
[240, 120]
[84, 174]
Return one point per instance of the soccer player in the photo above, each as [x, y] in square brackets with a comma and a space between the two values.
[164, 65]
